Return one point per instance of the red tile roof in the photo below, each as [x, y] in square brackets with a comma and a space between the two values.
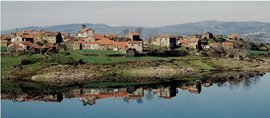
[6, 37]
[215, 44]
[27, 36]
[228, 44]
[27, 43]
[49, 45]
[99, 36]
[50, 34]
[92, 43]
[184, 42]
[37, 46]
[113, 35]
[105, 41]
[121, 45]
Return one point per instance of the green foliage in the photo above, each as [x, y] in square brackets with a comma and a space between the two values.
[219, 39]
[35, 58]
[100, 52]
[60, 58]
[257, 52]
[8, 63]
[3, 49]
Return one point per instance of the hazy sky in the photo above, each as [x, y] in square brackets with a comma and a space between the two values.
[147, 14]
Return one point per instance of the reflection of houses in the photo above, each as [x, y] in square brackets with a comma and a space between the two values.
[89, 96]
[193, 88]
[167, 41]
[138, 93]
[24, 97]
[166, 92]
[207, 84]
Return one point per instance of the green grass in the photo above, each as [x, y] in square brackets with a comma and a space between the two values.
[257, 52]
[100, 52]
[3, 49]
[109, 60]
[8, 63]
[121, 59]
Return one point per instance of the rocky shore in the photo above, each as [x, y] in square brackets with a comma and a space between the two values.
[147, 71]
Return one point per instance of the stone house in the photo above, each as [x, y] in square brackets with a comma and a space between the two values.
[137, 45]
[227, 45]
[87, 39]
[191, 41]
[25, 45]
[85, 32]
[14, 47]
[91, 45]
[167, 41]
[106, 44]
[6, 40]
[52, 37]
[122, 46]
[215, 45]
[77, 45]
[235, 36]
[134, 36]
[207, 35]
[24, 37]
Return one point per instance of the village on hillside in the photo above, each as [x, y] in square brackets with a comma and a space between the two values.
[130, 44]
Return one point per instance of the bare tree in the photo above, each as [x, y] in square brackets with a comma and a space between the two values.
[125, 31]
[139, 30]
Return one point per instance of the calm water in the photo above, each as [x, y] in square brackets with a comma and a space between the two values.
[226, 98]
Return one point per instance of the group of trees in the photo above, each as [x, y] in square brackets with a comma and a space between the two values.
[138, 30]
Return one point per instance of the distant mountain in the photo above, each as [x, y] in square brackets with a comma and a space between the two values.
[253, 29]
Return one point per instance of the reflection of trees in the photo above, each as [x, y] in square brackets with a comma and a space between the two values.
[126, 100]
[236, 81]
[149, 95]
[139, 101]
[165, 90]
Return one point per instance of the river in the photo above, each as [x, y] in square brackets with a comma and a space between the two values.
[226, 98]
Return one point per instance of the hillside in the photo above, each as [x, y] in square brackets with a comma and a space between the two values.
[253, 30]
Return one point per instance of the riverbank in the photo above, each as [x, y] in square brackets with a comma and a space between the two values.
[139, 71]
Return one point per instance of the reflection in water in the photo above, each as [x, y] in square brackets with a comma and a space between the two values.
[165, 90]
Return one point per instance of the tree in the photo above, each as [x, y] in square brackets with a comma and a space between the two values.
[139, 30]
[125, 31]
[59, 38]
[130, 52]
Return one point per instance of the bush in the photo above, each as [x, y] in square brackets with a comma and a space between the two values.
[61, 59]
[31, 59]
